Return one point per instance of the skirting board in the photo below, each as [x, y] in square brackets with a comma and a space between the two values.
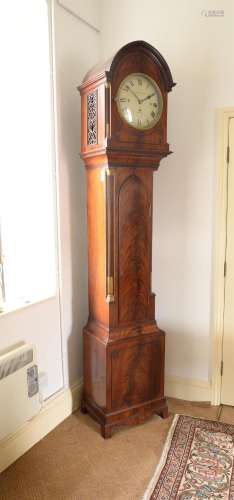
[188, 389]
[62, 404]
[53, 412]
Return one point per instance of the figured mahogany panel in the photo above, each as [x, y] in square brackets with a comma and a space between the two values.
[136, 371]
[134, 250]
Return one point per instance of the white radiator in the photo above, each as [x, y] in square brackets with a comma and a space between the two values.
[19, 391]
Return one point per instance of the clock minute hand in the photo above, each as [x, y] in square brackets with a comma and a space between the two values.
[138, 100]
[145, 98]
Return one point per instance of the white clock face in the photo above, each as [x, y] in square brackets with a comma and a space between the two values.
[139, 101]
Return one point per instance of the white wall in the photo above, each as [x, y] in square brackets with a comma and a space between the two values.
[199, 51]
[59, 339]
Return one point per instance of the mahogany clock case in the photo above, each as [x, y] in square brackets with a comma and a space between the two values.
[123, 346]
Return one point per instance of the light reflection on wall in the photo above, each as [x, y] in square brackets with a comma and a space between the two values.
[27, 184]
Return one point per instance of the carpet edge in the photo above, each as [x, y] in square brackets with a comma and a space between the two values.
[162, 461]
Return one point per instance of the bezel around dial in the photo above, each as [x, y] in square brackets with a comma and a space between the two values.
[159, 96]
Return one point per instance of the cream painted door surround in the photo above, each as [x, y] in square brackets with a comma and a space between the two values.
[227, 367]
[223, 267]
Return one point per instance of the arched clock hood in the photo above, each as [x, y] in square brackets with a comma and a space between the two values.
[115, 139]
[107, 69]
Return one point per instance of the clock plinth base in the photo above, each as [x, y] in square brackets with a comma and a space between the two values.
[130, 416]
[124, 375]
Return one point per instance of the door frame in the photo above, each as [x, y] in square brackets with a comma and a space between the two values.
[218, 281]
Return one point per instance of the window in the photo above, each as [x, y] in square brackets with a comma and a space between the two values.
[27, 202]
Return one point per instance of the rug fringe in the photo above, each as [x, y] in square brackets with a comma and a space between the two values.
[162, 461]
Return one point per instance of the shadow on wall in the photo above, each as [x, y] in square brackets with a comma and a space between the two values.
[73, 220]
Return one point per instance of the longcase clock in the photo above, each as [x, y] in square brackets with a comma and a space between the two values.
[124, 137]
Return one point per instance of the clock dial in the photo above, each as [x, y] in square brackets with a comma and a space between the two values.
[139, 101]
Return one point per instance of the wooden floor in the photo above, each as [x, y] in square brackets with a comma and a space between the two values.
[75, 463]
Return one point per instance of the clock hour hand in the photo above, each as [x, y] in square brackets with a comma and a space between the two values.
[145, 98]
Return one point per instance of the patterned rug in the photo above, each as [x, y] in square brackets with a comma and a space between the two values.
[197, 462]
